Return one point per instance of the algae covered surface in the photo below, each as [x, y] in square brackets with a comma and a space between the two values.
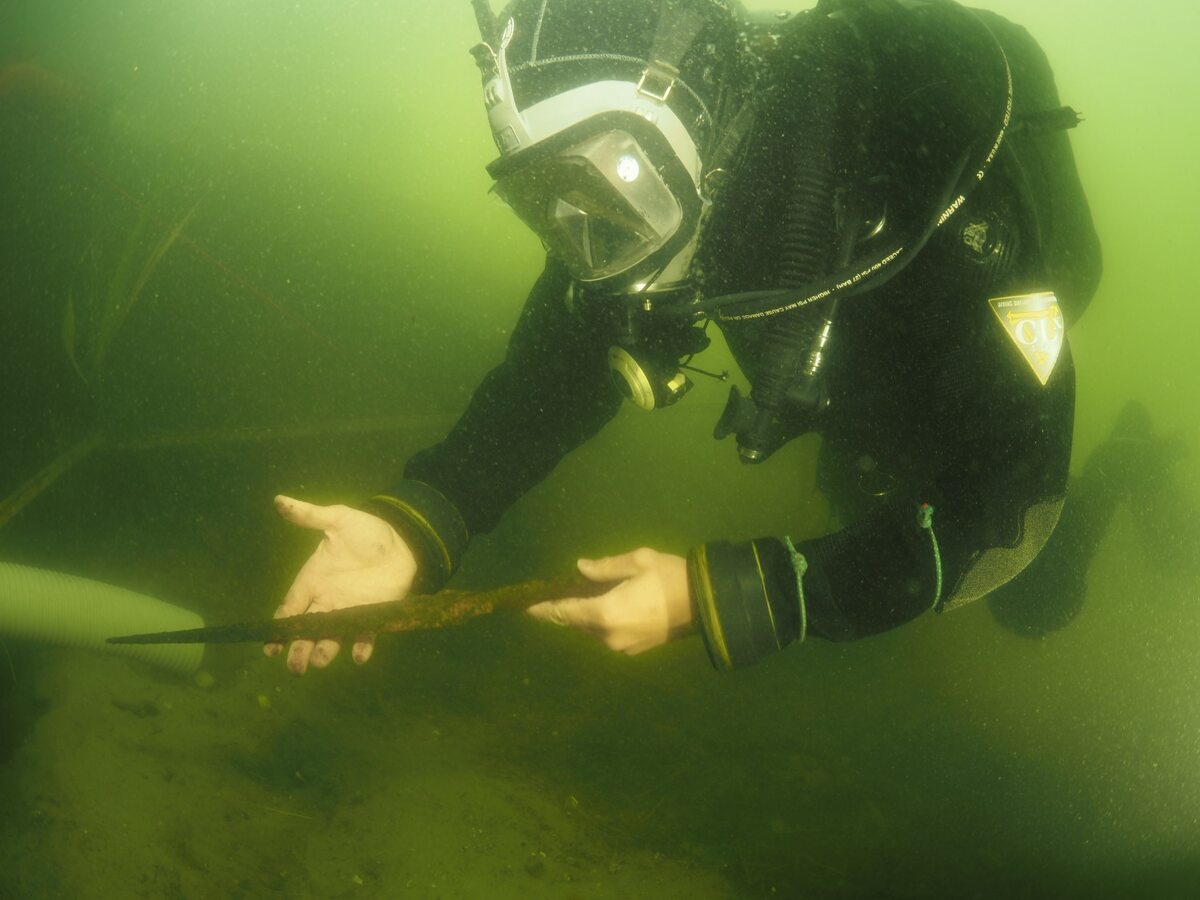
[247, 248]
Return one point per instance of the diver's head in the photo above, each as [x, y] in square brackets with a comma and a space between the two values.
[603, 112]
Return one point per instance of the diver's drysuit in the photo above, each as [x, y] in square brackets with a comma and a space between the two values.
[945, 409]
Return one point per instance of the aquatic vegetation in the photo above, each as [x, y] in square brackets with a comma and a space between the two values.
[11, 668]
[91, 324]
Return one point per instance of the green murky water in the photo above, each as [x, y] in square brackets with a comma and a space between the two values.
[294, 194]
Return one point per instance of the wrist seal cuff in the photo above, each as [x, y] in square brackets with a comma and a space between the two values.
[431, 525]
[730, 589]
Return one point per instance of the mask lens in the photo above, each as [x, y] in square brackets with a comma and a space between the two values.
[600, 205]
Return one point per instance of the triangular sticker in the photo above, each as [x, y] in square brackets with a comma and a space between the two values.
[1034, 323]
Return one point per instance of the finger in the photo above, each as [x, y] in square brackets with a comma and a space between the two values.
[324, 653]
[586, 612]
[298, 656]
[616, 568]
[364, 646]
[307, 515]
[297, 600]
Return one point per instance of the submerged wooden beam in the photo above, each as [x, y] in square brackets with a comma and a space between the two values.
[255, 434]
[418, 613]
[65, 462]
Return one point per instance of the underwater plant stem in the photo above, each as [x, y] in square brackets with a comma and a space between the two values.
[43, 480]
[420, 612]
[282, 812]
[122, 295]
[12, 669]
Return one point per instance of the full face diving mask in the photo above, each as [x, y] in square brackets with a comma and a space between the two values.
[606, 174]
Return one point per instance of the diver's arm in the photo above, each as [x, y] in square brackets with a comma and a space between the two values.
[986, 514]
[550, 394]
[984, 517]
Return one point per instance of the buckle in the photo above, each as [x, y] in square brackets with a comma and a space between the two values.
[657, 81]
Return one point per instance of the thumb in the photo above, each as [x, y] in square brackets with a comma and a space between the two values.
[307, 515]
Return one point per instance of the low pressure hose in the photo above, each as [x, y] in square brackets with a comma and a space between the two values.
[52, 608]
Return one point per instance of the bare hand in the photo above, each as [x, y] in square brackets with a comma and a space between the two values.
[360, 560]
[649, 607]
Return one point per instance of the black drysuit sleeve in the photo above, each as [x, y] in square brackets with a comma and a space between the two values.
[989, 470]
[987, 512]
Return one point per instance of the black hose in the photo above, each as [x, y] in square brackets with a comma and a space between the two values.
[857, 278]
[808, 233]
[873, 272]
[808, 242]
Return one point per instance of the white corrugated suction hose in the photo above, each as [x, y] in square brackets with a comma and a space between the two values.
[52, 608]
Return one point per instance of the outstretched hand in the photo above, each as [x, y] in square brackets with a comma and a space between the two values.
[360, 560]
[649, 607]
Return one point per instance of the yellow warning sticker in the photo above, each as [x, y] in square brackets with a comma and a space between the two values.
[1035, 324]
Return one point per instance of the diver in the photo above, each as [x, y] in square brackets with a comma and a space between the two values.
[877, 204]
